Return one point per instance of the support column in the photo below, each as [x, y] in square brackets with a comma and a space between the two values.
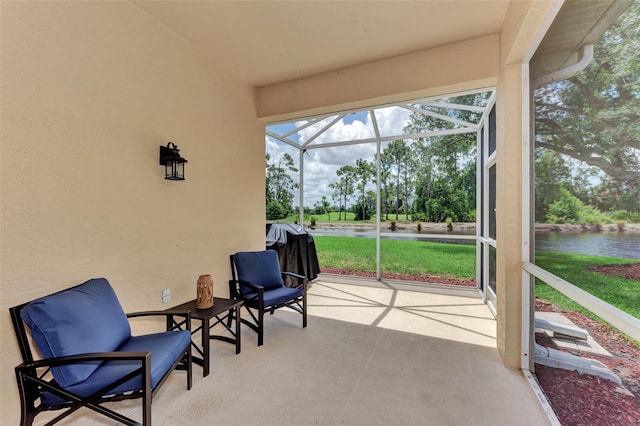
[301, 188]
[510, 132]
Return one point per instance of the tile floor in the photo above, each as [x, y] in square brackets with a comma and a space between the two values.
[372, 354]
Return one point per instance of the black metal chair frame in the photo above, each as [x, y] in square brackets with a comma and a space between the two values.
[34, 376]
[298, 304]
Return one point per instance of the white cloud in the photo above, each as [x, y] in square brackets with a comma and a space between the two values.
[321, 164]
[392, 120]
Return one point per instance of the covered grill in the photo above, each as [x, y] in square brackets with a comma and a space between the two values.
[296, 250]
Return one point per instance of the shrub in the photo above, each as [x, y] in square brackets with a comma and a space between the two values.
[449, 223]
[565, 209]
[619, 215]
[392, 225]
[418, 217]
[470, 216]
[569, 209]
[276, 211]
[357, 210]
[590, 215]
[312, 219]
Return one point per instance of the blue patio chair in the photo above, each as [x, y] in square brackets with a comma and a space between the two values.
[258, 281]
[89, 354]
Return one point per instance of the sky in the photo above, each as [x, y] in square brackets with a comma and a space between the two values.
[320, 165]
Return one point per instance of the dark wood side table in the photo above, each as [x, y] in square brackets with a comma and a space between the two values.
[220, 310]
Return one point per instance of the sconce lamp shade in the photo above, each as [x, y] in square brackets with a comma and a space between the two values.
[172, 161]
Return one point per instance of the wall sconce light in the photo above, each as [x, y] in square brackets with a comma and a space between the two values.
[172, 161]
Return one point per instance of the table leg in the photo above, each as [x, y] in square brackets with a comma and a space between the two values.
[205, 347]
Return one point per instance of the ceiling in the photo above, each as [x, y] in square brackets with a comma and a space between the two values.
[302, 38]
[298, 39]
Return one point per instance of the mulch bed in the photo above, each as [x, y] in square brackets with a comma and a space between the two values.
[630, 271]
[577, 399]
[433, 279]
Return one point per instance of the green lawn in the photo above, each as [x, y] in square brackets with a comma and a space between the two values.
[617, 291]
[398, 256]
[458, 261]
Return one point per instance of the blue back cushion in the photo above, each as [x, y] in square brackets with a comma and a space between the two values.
[258, 267]
[85, 318]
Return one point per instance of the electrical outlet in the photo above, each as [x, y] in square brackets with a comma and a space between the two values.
[166, 295]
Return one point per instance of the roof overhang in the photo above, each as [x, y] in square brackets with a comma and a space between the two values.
[577, 24]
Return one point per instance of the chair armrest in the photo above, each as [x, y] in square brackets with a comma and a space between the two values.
[291, 274]
[91, 356]
[166, 313]
[302, 280]
[256, 287]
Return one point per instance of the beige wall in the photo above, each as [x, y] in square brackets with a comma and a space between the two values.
[456, 67]
[89, 93]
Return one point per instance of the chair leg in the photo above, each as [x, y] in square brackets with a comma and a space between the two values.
[260, 327]
[189, 368]
[304, 311]
[27, 409]
[147, 394]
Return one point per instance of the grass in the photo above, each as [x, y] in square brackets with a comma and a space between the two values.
[405, 257]
[617, 291]
[458, 261]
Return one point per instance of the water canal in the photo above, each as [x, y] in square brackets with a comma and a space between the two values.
[615, 244]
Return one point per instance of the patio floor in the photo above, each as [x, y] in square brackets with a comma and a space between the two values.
[374, 353]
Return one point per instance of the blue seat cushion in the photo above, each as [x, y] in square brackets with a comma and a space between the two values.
[84, 318]
[258, 267]
[274, 297]
[166, 348]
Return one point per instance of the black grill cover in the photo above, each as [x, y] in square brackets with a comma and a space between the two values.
[296, 250]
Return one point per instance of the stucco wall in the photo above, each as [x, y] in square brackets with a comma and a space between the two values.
[89, 93]
[471, 64]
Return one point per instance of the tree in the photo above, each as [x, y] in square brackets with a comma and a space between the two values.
[399, 156]
[593, 117]
[365, 206]
[444, 197]
[408, 172]
[386, 186]
[346, 176]
[337, 195]
[325, 206]
[279, 186]
[552, 175]
[444, 167]
[363, 173]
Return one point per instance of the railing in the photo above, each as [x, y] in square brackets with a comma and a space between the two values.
[621, 320]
